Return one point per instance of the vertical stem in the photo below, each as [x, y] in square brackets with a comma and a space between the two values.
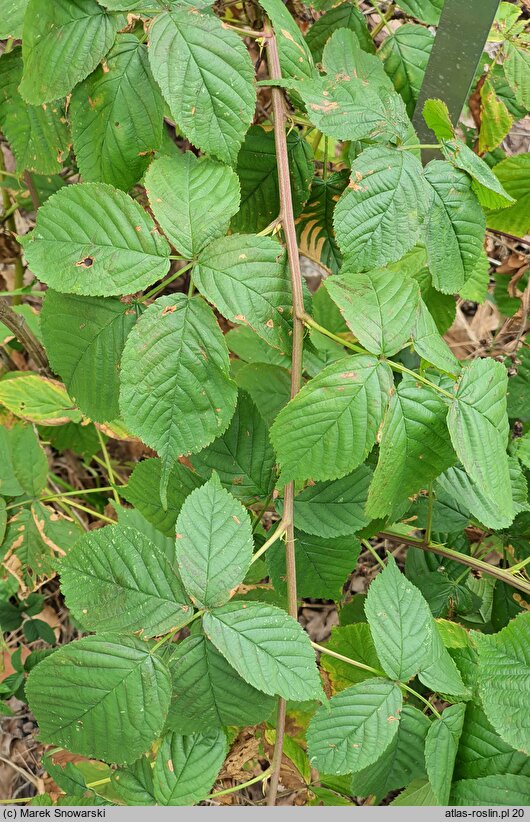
[289, 229]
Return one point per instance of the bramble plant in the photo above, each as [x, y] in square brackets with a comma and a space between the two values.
[181, 157]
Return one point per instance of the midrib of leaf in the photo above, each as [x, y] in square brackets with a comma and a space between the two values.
[92, 344]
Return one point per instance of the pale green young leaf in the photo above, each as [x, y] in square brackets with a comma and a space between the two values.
[192, 199]
[115, 130]
[400, 622]
[245, 276]
[27, 460]
[176, 393]
[62, 43]
[441, 746]
[209, 693]
[513, 173]
[377, 220]
[295, 57]
[214, 544]
[379, 306]
[316, 236]
[84, 339]
[97, 683]
[496, 121]
[335, 508]
[243, 456]
[354, 642]
[436, 115]
[37, 135]
[38, 399]
[355, 727]
[322, 565]
[95, 240]
[501, 789]
[482, 752]
[504, 680]
[402, 761]
[418, 793]
[345, 16]
[11, 18]
[207, 78]
[478, 426]
[258, 176]
[143, 491]
[9, 484]
[116, 579]
[268, 648]
[414, 446]
[487, 187]
[405, 56]
[187, 766]
[429, 344]
[455, 227]
[330, 427]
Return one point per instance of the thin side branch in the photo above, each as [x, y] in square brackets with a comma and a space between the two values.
[20, 329]
[289, 230]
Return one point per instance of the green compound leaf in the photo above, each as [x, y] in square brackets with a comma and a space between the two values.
[405, 56]
[414, 446]
[84, 339]
[441, 746]
[495, 756]
[330, 427]
[402, 761]
[214, 544]
[377, 220]
[478, 425]
[258, 175]
[115, 130]
[268, 648]
[455, 227]
[116, 579]
[95, 240]
[322, 565]
[246, 278]
[209, 693]
[38, 135]
[379, 306]
[295, 57]
[187, 766]
[345, 16]
[176, 393]
[316, 236]
[192, 199]
[513, 173]
[355, 727]
[11, 18]
[243, 456]
[143, 491]
[97, 683]
[400, 622]
[207, 78]
[504, 680]
[336, 508]
[501, 789]
[355, 642]
[63, 42]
